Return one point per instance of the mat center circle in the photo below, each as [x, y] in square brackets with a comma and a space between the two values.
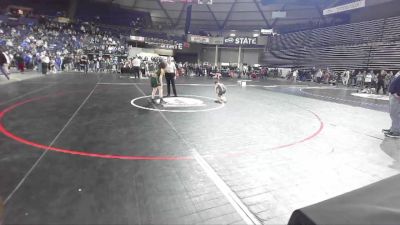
[184, 104]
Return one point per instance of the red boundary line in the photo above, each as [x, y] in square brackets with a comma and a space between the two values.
[124, 157]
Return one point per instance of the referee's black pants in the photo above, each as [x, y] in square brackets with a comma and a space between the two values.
[136, 71]
[381, 84]
[170, 77]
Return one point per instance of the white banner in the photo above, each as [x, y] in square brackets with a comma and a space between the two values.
[199, 39]
[347, 7]
[216, 41]
[177, 46]
[137, 38]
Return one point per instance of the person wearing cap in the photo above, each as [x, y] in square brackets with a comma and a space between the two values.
[170, 74]
[394, 101]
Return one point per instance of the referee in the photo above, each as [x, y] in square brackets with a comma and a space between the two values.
[170, 74]
[394, 99]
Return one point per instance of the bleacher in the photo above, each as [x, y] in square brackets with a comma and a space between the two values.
[372, 44]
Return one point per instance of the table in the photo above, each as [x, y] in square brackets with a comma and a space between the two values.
[378, 203]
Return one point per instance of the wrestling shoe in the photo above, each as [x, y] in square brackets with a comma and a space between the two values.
[385, 131]
[392, 135]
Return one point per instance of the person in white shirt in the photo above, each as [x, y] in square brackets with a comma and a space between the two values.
[318, 75]
[295, 75]
[45, 63]
[4, 61]
[346, 77]
[170, 74]
[136, 67]
[368, 81]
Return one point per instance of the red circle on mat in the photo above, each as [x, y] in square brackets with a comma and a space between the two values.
[125, 157]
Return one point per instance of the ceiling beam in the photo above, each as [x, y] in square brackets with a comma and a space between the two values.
[327, 5]
[134, 3]
[180, 15]
[214, 17]
[262, 14]
[332, 4]
[276, 19]
[229, 14]
[165, 12]
[320, 12]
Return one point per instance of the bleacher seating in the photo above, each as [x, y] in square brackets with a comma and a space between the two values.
[372, 44]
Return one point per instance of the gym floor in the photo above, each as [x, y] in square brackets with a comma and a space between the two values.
[93, 149]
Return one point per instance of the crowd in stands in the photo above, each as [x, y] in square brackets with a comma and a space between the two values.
[367, 81]
[78, 46]
[56, 46]
[64, 43]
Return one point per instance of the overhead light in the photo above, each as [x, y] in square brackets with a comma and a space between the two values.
[256, 35]
[232, 35]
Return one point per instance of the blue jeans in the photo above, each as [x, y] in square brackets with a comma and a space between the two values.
[395, 114]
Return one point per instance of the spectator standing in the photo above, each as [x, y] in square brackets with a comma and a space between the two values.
[4, 61]
[368, 81]
[58, 62]
[394, 101]
[45, 63]
[295, 75]
[346, 77]
[388, 79]
[318, 75]
[142, 69]
[360, 79]
[381, 82]
[84, 63]
[19, 60]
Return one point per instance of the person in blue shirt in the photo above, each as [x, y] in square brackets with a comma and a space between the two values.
[394, 98]
[27, 59]
[58, 62]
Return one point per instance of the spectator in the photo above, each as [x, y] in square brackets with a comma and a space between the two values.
[394, 99]
[4, 61]
[381, 82]
[318, 75]
[346, 77]
[45, 63]
[20, 62]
